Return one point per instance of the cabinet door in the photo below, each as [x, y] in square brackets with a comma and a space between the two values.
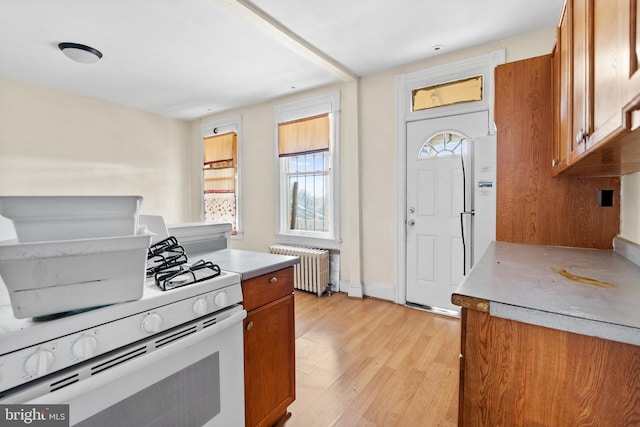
[610, 65]
[633, 86]
[562, 70]
[269, 362]
[582, 113]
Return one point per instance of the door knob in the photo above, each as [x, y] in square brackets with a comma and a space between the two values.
[411, 223]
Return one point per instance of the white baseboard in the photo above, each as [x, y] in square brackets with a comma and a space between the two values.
[352, 289]
[380, 291]
[375, 290]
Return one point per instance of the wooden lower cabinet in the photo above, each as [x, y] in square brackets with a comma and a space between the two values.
[517, 374]
[269, 347]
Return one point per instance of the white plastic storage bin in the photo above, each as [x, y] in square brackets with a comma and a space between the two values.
[45, 218]
[54, 277]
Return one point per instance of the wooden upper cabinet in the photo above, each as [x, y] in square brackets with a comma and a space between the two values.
[598, 89]
[562, 88]
[610, 65]
[633, 85]
[632, 94]
[600, 64]
[582, 76]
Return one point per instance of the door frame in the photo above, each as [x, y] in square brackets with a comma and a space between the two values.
[481, 65]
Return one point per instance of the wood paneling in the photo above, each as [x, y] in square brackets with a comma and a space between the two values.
[532, 206]
[517, 374]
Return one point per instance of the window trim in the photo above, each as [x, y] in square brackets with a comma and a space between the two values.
[221, 126]
[310, 107]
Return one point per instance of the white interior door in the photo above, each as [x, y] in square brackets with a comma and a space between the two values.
[439, 180]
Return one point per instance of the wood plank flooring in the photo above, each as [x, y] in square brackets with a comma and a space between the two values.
[366, 362]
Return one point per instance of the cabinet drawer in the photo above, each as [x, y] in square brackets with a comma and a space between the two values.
[263, 289]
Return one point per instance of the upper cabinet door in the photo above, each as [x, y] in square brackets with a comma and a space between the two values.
[632, 95]
[562, 75]
[610, 65]
[582, 75]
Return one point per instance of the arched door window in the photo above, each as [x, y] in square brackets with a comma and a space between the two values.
[442, 144]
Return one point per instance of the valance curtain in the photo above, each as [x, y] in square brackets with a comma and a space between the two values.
[304, 136]
[220, 150]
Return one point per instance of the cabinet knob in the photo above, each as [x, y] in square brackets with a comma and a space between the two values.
[581, 136]
[250, 325]
[554, 163]
[273, 280]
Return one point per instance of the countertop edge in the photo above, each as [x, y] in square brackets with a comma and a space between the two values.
[473, 303]
[608, 331]
[268, 269]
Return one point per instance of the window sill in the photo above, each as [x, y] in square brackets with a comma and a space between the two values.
[312, 242]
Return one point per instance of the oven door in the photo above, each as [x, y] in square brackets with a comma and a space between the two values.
[196, 380]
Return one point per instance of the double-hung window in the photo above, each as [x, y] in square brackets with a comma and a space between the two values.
[307, 134]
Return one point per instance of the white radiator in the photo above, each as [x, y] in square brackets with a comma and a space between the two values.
[312, 274]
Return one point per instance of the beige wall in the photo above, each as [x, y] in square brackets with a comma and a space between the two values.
[53, 142]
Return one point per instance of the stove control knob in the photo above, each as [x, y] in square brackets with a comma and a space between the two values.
[200, 306]
[221, 299]
[84, 347]
[151, 323]
[39, 362]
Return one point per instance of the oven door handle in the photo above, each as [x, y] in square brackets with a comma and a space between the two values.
[191, 347]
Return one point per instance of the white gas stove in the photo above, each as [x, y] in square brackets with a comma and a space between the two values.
[30, 348]
[130, 363]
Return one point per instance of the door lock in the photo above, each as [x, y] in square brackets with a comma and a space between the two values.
[412, 210]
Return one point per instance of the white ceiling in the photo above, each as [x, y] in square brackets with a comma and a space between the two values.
[191, 58]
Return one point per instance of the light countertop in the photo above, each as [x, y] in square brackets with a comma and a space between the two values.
[248, 264]
[587, 291]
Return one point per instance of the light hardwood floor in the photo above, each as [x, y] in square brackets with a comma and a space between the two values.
[366, 362]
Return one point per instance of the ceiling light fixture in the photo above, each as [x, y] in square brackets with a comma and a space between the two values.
[80, 53]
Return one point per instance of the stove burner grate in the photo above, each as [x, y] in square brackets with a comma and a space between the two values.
[168, 264]
[185, 274]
